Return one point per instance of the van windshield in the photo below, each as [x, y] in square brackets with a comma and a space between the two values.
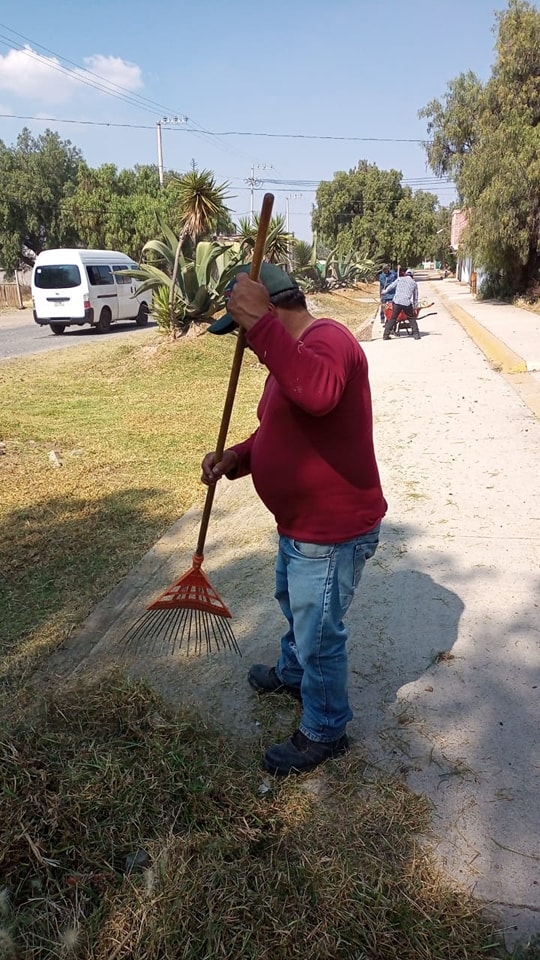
[59, 276]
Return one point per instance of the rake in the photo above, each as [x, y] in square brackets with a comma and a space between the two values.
[190, 613]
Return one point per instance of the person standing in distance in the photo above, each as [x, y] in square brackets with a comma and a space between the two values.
[386, 277]
[405, 293]
[313, 465]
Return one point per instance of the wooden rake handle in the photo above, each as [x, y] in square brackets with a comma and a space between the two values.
[258, 255]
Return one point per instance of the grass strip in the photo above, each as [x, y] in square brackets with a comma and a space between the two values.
[129, 425]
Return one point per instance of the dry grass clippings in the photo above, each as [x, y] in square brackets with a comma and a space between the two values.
[127, 831]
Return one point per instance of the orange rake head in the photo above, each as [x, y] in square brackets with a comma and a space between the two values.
[193, 591]
[190, 614]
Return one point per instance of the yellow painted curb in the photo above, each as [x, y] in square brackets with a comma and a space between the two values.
[494, 349]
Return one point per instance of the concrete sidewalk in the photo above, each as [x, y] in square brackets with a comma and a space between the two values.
[444, 634]
[515, 331]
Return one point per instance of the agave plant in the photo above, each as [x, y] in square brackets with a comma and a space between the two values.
[160, 309]
[310, 272]
[196, 293]
[343, 271]
[277, 244]
[304, 256]
[367, 270]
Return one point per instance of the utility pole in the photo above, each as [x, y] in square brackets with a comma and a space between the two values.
[291, 196]
[159, 124]
[159, 152]
[253, 182]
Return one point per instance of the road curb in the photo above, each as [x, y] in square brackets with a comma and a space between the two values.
[494, 349]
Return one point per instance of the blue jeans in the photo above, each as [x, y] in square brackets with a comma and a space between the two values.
[314, 587]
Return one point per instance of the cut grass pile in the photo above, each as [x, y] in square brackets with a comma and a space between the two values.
[321, 868]
[130, 425]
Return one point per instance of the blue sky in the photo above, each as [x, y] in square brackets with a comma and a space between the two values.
[338, 69]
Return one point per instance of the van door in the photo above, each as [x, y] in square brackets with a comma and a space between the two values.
[103, 292]
[57, 292]
[127, 307]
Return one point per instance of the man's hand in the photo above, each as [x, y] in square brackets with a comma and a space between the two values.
[248, 302]
[212, 471]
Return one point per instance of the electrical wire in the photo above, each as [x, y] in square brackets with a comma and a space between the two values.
[103, 85]
[286, 136]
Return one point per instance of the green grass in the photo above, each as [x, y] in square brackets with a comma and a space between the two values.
[130, 425]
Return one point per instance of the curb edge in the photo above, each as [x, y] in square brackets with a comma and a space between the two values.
[494, 349]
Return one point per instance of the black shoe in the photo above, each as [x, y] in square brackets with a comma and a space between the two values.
[387, 337]
[300, 754]
[264, 679]
[416, 336]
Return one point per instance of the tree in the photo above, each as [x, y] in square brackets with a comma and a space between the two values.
[414, 226]
[201, 202]
[36, 175]
[452, 124]
[355, 209]
[369, 213]
[115, 210]
[487, 137]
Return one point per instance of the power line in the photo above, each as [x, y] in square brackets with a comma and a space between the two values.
[104, 86]
[72, 63]
[231, 133]
[101, 87]
[308, 186]
[315, 136]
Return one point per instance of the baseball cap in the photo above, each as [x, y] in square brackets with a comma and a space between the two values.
[274, 278]
[409, 273]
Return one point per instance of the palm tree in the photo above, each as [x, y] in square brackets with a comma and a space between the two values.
[201, 201]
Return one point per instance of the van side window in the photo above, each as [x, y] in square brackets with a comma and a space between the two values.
[121, 279]
[99, 275]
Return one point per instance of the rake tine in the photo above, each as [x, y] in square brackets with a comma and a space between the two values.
[132, 635]
[178, 632]
[172, 626]
[167, 631]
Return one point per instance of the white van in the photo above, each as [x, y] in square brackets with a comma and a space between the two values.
[74, 287]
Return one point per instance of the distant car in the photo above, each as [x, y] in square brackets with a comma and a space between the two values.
[77, 287]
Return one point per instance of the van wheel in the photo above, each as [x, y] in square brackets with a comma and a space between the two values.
[142, 317]
[58, 328]
[104, 323]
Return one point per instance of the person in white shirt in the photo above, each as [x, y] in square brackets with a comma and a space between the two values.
[406, 299]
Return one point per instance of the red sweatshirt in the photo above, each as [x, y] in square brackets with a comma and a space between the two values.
[312, 458]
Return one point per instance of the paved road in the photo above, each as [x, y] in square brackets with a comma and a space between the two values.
[21, 336]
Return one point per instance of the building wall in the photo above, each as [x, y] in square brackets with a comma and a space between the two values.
[458, 226]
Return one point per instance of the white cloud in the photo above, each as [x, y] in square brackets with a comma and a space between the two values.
[33, 76]
[114, 70]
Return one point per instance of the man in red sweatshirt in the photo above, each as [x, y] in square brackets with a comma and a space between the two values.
[313, 465]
